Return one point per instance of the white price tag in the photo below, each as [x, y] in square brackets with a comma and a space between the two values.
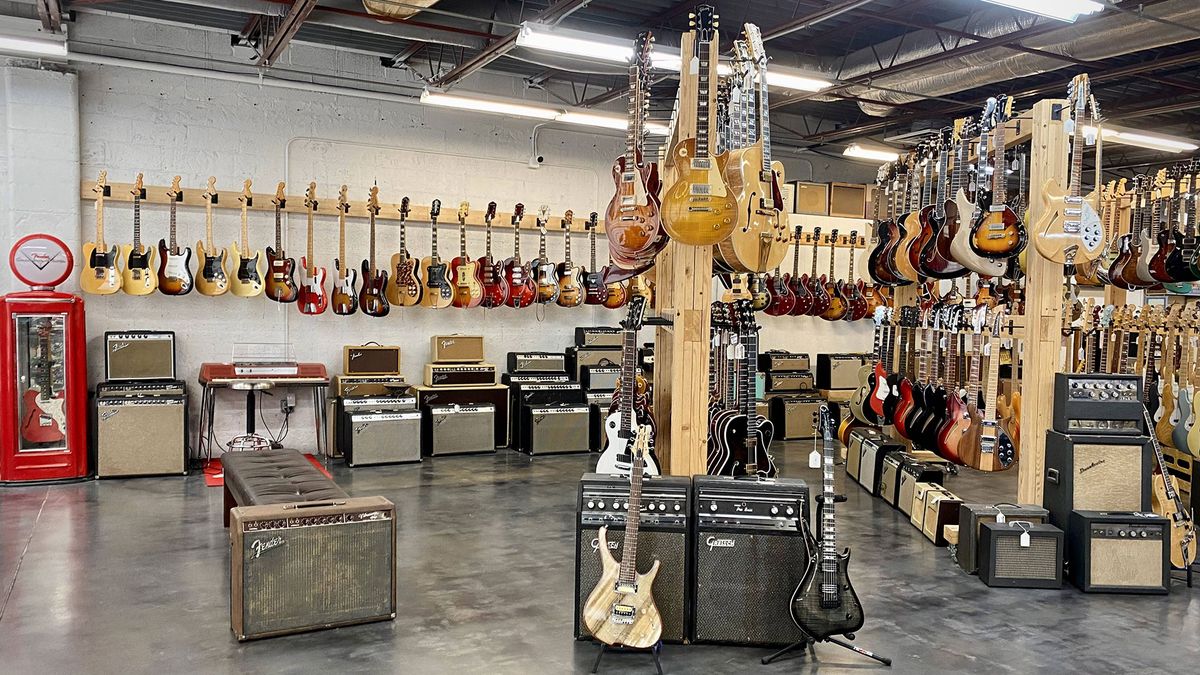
[814, 460]
[1024, 540]
[1000, 519]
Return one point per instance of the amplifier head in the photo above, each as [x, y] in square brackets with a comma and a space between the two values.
[769, 505]
[139, 355]
[370, 385]
[1098, 403]
[1119, 552]
[371, 360]
[456, 348]
[1018, 554]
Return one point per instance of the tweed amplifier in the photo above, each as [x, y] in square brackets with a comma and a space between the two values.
[663, 529]
[141, 430]
[451, 375]
[458, 429]
[578, 357]
[1019, 554]
[555, 429]
[382, 438]
[1098, 403]
[536, 363]
[971, 518]
[139, 355]
[775, 361]
[600, 378]
[1119, 552]
[793, 415]
[916, 510]
[941, 509]
[311, 565]
[496, 395]
[371, 360]
[599, 336]
[456, 349]
[369, 385]
[875, 453]
[747, 535]
[557, 378]
[789, 382]
[1096, 473]
[839, 371]
[913, 471]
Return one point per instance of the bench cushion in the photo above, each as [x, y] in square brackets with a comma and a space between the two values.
[275, 477]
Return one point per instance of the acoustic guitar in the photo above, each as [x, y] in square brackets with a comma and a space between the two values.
[174, 262]
[594, 291]
[248, 281]
[495, 288]
[344, 297]
[99, 274]
[522, 289]
[998, 233]
[313, 298]
[138, 277]
[570, 290]
[281, 270]
[439, 291]
[213, 279]
[404, 289]
[373, 300]
[544, 271]
[464, 271]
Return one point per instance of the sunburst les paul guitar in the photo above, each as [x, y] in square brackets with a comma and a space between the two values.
[313, 297]
[138, 278]
[174, 262]
[248, 281]
[213, 279]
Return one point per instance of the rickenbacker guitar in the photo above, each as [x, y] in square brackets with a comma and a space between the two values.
[373, 300]
[345, 289]
[570, 291]
[522, 289]
[1168, 504]
[464, 271]
[627, 418]
[621, 610]
[99, 274]
[544, 271]
[138, 278]
[824, 603]
[248, 281]
[213, 279]
[439, 292]
[998, 233]
[313, 298]
[495, 288]
[594, 291]
[174, 263]
[404, 289]
[281, 280]
[43, 418]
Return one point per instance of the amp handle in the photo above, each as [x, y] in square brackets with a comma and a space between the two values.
[313, 505]
[1052, 476]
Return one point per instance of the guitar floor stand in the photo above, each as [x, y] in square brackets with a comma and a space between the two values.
[654, 651]
[808, 641]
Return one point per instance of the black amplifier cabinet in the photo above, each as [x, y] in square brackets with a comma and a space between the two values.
[663, 530]
[747, 535]
[533, 363]
[578, 357]
[599, 336]
[1114, 552]
[523, 395]
[839, 371]
[459, 374]
[457, 429]
[555, 429]
[600, 378]
[1019, 554]
[1098, 403]
[775, 361]
[971, 519]
[1096, 473]
[556, 378]
[496, 395]
[789, 382]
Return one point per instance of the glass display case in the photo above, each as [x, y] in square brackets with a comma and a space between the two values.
[41, 381]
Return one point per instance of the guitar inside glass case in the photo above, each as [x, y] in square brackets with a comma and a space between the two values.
[41, 381]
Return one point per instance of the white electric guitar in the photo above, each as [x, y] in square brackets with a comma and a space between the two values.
[622, 423]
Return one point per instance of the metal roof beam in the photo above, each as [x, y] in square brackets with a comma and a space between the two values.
[50, 12]
[296, 16]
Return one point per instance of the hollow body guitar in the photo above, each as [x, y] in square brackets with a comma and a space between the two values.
[522, 290]
[998, 233]
[567, 274]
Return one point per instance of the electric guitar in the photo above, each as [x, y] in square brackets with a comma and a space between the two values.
[834, 287]
[743, 435]
[281, 280]
[137, 278]
[522, 289]
[43, 417]
[782, 301]
[852, 289]
[593, 277]
[213, 279]
[969, 210]
[174, 263]
[99, 274]
[464, 271]
[803, 300]
[345, 289]
[998, 233]
[627, 418]
[313, 298]
[439, 291]
[760, 297]
[404, 289]
[943, 218]
[615, 292]
[570, 291]
[1169, 505]
[544, 270]
[821, 300]
[495, 288]
[1170, 238]
[251, 268]
[908, 220]
[373, 300]
[881, 260]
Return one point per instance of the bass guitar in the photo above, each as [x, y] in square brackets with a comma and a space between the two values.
[627, 417]
[544, 271]
[373, 300]
[405, 288]
[438, 292]
[99, 274]
[174, 262]
[313, 297]
[495, 288]
[281, 280]
[138, 277]
[464, 271]
[522, 289]
[251, 268]
[998, 233]
[213, 279]
[570, 291]
[345, 289]
[594, 291]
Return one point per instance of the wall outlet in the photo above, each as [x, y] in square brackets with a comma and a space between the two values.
[287, 404]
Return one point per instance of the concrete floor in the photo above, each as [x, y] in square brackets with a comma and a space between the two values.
[131, 576]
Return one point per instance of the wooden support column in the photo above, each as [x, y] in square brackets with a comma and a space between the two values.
[1043, 306]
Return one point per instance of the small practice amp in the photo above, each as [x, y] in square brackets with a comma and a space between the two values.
[1114, 552]
[747, 535]
[371, 360]
[578, 357]
[663, 527]
[139, 355]
[789, 382]
[451, 375]
[599, 336]
[456, 348]
[911, 472]
[600, 378]
[794, 416]
[839, 371]
[536, 363]
[854, 449]
[775, 361]
[311, 565]
[1019, 554]
[916, 510]
[141, 429]
[369, 385]
[382, 438]
[875, 454]
[971, 519]
[1096, 473]
[1098, 403]
[941, 509]
[555, 429]
[459, 429]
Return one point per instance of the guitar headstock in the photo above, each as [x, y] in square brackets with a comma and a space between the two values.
[705, 22]
[635, 314]
[543, 216]
[139, 189]
[518, 213]
[310, 197]
[816, 237]
[490, 215]
[245, 198]
[404, 208]
[210, 193]
[853, 239]
[343, 200]
[373, 200]
[741, 64]
[754, 42]
[825, 423]
[833, 238]
[464, 210]
[568, 217]
[592, 221]
[435, 209]
[175, 193]
[641, 442]
[987, 119]
[744, 311]
[1078, 94]
[101, 187]
[280, 199]
[798, 234]
[642, 45]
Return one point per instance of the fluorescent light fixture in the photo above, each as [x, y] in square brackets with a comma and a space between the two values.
[32, 47]
[1142, 139]
[491, 105]
[591, 119]
[786, 80]
[874, 154]
[1063, 10]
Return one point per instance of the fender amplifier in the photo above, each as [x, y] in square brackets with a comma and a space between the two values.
[916, 510]
[600, 378]
[971, 518]
[1098, 403]
[311, 565]
[369, 385]
[1114, 552]
[1087, 472]
[456, 348]
[913, 471]
[789, 382]
[839, 371]
[449, 375]
[459, 429]
[141, 434]
[854, 450]
[776, 361]
[559, 378]
[371, 360]
[555, 429]
[139, 355]
[941, 509]
[382, 438]
[346, 405]
[536, 363]
[599, 336]
[793, 416]
[1018, 554]
[873, 465]
[578, 357]
[496, 396]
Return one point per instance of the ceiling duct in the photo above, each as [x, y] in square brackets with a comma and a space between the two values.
[397, 9]
[1091, 40]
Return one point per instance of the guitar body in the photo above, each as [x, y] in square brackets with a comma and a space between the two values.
[731, 436]
[821, 300]
[1010, 417]
[802, 299]
[594, 292]
[615, 295]
[467, 281]
[373, 299]
[860, 407]
[344, 296]
[634, 230]
[248, 281]
[903, 407]
[1193, 434]
[880, 388]
[45, 419]
[856, 301]
[759, 244]
[698, 219]
[1177, 266]
[610, 461]
[438, 292]
[998, 234]
[1168, 246]
[814, 616]
[760, 298]
[837, 301]
[404, 289]
[953, 428]
[1167, 416]
[281, 280]
[1183, 529]
[1126, 253]
[522, 290]
[175, 270]
[1054, 242]
[545, 273]
[782, 301]
[936, 259]
[924, 235]
[1141, 269]
[138, 276]
[932, 418]
[910, 227]
[880, 261]
[100, 275]
[312, 299]
[644, 628]
[960, 244]
[570, 291]
[1183, 407]
[495, 288]
[212, 280]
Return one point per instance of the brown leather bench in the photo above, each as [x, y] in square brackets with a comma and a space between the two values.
[273, 477]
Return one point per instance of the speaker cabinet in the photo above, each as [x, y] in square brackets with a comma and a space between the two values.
[847, 200]
[371, 360]
[458, 429]
[811, 198]
[839, 371]
[941, 510]
[911, 472]
[971, 519]
[141, 436]
[1096, 473]
[555, 429]
[1116, 552]
[1005, 562]
[139, 355]
[793, 416]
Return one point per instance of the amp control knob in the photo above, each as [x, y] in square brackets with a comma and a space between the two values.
[790, 510]
[662, 506]
[600, 504]
[624, 506]
[774, 510]
[678, 507]
[591, 503]
[712, 507]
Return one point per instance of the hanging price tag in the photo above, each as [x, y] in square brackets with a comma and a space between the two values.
[814, 460]
[1000, 518]
[1024, 540]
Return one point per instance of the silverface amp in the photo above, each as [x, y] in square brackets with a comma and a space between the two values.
[382, 438]
[793, 415]
[475, 374]
[911, 472]
[875, 453]
[1019, 554]
[775, 361]
[1098, 403]
[458, 429]
[496, 395]
[371, 360]
[369, 385]
[139, 355]
[578, 357]
[536, 363]
[600, 378]
[347, 405]
[971, 518]
[141, 430]
[456, 348]
[789, 382]
[663, 529]
[599, 336]
[941, 509]
[839, 371]
[557, 378]
[535, 394]
[1114, 552]
[1096, 473]
[312, 565]
[555, 429]
[747, 535]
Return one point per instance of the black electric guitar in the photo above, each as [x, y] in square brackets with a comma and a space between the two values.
[743, 436]
[825, 603]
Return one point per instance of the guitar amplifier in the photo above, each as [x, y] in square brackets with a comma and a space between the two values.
[662, 535]
[1115, 552]
[497, 396]
[1098, 403]
[311, 565]
[775, 361]
[450, 375]
[873, 465]
[382, 438]
[747, 535]
[599, 402]
[537, 394]
[555, 429]
[600, 378]
[536, 363]
[456, 348]
[139, 355]
[971, 518]
[369, 385]
[793, 415]
[839, 371]
[599, 336]
[789, 382]
[371, 360]
[916, 510]
[558, 378]
[913, 471]
[854, 449]
[1008, 560]
[1096, 473]
[141, 430]
[578, 357]
[941, 509]
[347, 405]
[458, 429]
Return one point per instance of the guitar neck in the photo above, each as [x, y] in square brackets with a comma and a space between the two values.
[208, 228]
[342, 239]
[703, 98]
[371, 259]
[433, 240]
[278, 230]
[764, 123]
[999, 175]
[100, 221]
[137, 223]
[174, 241]
[567, 246]
[592, 242]
[245, 230]
[312, 262]
[488, 225]
[628, 573]
[628, 379]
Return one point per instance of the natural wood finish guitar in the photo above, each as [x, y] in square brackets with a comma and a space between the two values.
[99, 274]
[570, 290]
[137, 278]
[1168, 504]
[174, 263]
[404, 289]
[251, 267]
[213, 279]
[909, 222]
[373, 299]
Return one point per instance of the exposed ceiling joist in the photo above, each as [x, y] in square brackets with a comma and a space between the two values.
[291, 23]
[50, 12]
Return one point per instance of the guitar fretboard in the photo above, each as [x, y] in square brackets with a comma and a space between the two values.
[628, 573]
